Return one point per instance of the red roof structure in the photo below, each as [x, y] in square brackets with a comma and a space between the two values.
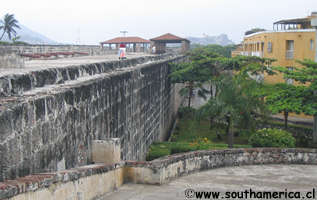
[127, 40]
[168, 37]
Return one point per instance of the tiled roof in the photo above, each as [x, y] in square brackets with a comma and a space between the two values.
[168, 37]
[119, 40]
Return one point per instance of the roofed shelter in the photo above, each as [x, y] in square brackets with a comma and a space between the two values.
[160, 42]
[291, 24]
[138, 44]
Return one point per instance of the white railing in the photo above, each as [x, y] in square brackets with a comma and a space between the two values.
[289, 54]
[257, 53]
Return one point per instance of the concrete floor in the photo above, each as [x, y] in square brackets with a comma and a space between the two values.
[302, 178]
[32, 65]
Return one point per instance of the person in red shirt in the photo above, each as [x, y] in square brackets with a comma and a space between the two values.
[122, 51]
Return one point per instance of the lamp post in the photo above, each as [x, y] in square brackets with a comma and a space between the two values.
[314, 24]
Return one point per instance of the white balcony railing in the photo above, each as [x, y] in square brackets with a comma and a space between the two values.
[253, 53]
[257, 53]
[289, 54]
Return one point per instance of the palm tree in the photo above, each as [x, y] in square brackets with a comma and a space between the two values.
[8, 24]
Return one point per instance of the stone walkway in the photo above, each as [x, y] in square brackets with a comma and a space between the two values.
[64, 62]
[301, 178]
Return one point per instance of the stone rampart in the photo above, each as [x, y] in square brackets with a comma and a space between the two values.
[49, 118]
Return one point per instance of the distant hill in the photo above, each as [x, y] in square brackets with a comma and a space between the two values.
[220, 39]
[31, 37]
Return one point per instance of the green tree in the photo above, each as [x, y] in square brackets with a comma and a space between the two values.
[307, 75]
[204, 66]
[8, 25]
[234, 102]
[285, 98]
[187, 74]
[224, 51]
[254, 30]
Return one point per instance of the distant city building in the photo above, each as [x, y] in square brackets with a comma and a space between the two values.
[290, 40]
[133, 44]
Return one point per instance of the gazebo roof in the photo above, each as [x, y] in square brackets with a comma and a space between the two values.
[169, 38]
[119, 40]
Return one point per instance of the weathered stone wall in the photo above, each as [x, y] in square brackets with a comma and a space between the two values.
[93, 181]
[32, 49]
[83, 183]
[43, 130]
[9, 59]
[163, 170]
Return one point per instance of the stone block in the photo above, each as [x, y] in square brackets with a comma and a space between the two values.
[106, 151]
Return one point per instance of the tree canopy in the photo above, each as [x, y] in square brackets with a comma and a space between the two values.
[8, 25]
[254, 30]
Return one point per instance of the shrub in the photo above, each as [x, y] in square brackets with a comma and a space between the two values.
[268, 137]
[157, 153]
[180, 148]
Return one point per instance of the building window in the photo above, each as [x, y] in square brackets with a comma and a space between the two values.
[289, 80]
[289, 49]
[312, 45]
[269, 47]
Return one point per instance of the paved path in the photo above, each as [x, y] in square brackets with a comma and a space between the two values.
[300, 178]
[64, 62]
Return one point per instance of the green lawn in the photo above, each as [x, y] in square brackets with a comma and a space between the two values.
[189, 130]
[191, 135]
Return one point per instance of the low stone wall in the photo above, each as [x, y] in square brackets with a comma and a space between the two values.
[163, 170]
[87, 182]
[93, 181]
[33, 49]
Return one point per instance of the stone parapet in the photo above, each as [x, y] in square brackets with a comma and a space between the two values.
[163, 170]
[93, 181]
[78, 183]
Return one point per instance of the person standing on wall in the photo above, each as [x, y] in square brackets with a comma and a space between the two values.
[122, 51]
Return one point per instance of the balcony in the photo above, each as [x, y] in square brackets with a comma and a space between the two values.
[289, 54]
[257, 53]
[252, 53]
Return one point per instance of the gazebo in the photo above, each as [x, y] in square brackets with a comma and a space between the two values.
[160, 42]
[138, 44]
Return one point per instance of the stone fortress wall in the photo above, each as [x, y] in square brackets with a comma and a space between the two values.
[49, 118]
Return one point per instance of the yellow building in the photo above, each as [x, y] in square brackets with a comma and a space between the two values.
[290, 40]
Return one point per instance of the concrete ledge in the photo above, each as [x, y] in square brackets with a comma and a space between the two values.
[167, 168]
[92, 181]
[74, 181]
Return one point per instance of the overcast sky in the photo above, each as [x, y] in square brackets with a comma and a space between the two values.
[93, 21]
